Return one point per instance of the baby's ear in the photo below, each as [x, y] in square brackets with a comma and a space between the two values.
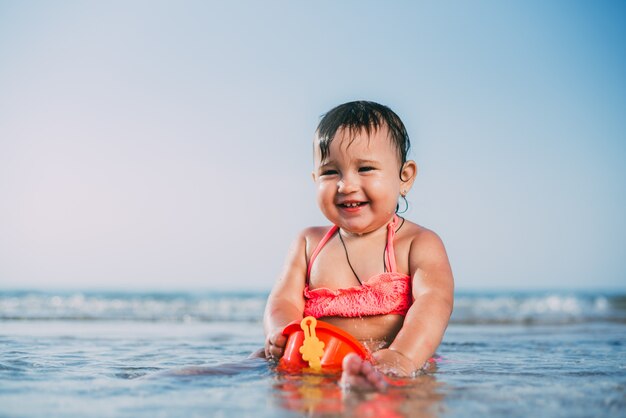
[313, 176]
[409, 172]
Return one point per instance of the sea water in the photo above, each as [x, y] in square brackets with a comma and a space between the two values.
[105, 354]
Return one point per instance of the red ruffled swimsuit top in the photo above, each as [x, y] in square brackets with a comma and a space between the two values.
[383, 294]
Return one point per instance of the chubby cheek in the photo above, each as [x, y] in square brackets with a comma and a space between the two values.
[385, 194]
[384, 188]
[325, 196]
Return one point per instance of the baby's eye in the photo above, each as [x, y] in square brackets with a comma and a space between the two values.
[366, 169]
[328, 172]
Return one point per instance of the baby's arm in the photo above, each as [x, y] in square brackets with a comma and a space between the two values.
[286, 301]
[427, 319]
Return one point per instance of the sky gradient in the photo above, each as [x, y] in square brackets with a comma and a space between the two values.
[167, 145]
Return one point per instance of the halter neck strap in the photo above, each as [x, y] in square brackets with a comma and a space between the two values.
[319, 247]
[390, 254]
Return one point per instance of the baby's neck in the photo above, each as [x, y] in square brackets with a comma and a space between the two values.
[381, 230]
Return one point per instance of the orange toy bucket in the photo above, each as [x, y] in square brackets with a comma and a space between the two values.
[317, 345]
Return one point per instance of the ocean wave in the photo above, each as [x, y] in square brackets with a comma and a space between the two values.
[547, 309]
[132, 307]
[473, 309]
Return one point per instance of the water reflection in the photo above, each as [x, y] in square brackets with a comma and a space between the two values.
[321, 395]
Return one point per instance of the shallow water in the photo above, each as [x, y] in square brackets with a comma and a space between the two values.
[169, 365]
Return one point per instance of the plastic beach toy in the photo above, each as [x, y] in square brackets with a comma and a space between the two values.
[317, 345]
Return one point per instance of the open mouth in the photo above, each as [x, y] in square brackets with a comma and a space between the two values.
[352, 204]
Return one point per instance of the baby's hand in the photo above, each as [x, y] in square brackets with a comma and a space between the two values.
[360, 374]
[275, 345]
[394, 363]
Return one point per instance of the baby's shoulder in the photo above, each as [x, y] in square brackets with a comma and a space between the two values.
[418, 237]
[313, 235]
[314, 231]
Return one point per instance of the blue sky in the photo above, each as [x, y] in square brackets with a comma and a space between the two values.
[167, 145]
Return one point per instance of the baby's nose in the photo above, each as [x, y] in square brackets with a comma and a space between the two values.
[346, 185]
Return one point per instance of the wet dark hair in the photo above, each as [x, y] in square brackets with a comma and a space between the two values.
[355, 116]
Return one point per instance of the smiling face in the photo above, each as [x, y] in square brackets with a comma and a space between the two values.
[359, 183]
